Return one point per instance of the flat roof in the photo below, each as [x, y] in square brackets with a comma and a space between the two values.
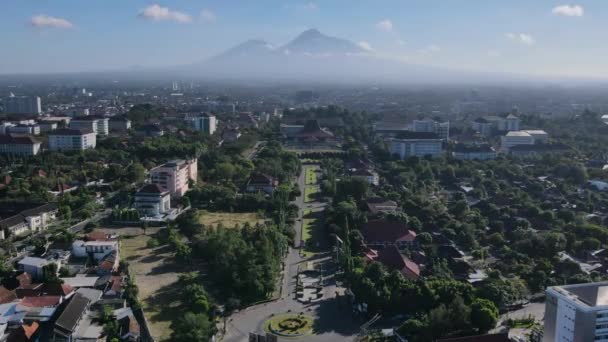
[590, 294]
[518, 134]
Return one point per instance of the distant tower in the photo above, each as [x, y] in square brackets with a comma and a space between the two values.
[175, 86]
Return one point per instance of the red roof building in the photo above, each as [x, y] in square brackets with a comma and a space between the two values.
[393, 259]
[6, 295]
[41, 302]
[384, 233]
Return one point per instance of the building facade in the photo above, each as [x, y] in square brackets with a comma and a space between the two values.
[205, 123]
[21, 146]
[175, 176]
[514, 139]
[72, 140]
[23, 105]
[416, 145]
[576, 313]
[99, 125]
[152, 201]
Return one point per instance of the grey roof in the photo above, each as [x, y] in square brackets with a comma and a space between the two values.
[68, 320]
[32, 261]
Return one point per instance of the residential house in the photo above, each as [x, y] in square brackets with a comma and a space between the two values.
[381, 233]
[98, 250]
[6, 295]
[152, 201]
[30, 220]
[67, 322]
[175, 176]
[129, 329]
[377, 205]
[262, 183]
[35, 266]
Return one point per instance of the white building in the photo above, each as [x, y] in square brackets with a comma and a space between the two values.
[35, 266]
[486, 124]
[5, 127]
[71, 140]
[99, 125]
[514, 139]
[23, 105]
[24, 129]
[97, 249]
[540, 136]
[576, 313]
[206, 123]
[23, 146]
[480, 152]
[31, 220]
[416, 144]
[152, 201]
[442, 129]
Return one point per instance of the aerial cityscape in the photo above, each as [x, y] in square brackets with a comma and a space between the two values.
[410, 171]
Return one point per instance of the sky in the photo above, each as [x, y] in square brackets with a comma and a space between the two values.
[536, 37]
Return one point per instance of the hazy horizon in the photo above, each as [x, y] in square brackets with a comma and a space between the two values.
[544, 39]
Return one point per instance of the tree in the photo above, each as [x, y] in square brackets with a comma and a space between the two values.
[192, 328]
[136, 173]
[484, 315]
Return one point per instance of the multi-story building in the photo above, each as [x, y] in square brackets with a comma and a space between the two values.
[540, 136]
[96, 124]
[22, 145]
[47, 126]
[71, 140]
[206, 123]
[442, 129]
[28, 129]
[152, 201]
[119, 124]
[5, 127]
[487, 124]
[515, 138]
[576, 313]
[175, 176]
[416, 144]
[476, 152]
[23, 105]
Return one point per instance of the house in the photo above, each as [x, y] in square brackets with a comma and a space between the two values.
[66, 323]
[35, 219]
[98, 250]
[262, 183]
[175, 176]
[13, 226]
[6, 295]
[377, 205]
[129, 329]
[27, 332]
[381, 233]
[392, 258]
[19, 145]
[231, 135]
[34, 266]
[370, 176]
[152, 201]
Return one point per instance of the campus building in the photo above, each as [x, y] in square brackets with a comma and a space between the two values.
[175, 176]
[416, 144]
[206, 123]
[20, 145]
[71, 140]
[23, 105]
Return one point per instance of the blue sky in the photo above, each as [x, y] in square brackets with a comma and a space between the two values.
[522, 36]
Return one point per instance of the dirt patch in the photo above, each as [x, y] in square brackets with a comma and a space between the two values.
[156, 275]
[229, 220]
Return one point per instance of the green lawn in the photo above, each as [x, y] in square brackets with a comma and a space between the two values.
[312, 233]
[309, 193]
[311, 175]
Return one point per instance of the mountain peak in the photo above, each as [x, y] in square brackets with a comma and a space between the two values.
[310, 33]
[312, 41]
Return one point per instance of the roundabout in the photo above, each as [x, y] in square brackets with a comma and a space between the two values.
[289, 325]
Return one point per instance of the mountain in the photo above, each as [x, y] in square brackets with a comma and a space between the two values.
[313, 42]
[314, 56]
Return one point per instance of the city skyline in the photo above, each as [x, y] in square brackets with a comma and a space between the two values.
[543, 38]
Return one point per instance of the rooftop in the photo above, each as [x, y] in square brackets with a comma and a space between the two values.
[590, 294]
[69, 131]
[518, 134]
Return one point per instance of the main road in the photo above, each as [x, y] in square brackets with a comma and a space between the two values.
[332, 322]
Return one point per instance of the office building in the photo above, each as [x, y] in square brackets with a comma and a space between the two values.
[23, 105]
[24, 129]
[119, 124]
[416, 144]
[175, 176]
[473, 152]
[205, 123]
[488, 124]
[99, 125]
[152, 201]
[576, 313]
[20, 145]
[514, 139]
[72, 140]
[442, 129]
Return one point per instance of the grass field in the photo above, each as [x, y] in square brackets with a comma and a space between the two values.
[156, 276]
[229, 220]
[311, 175]
[309, 193]
[312, 233]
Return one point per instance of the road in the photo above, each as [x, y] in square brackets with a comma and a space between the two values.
[333, 323]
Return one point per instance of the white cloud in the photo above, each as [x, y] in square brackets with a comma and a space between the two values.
[157, 13]
[365, 46]
[208, 16]
[568, 10]
[43, 20]
[523, 38]
[430, 49]
[385, 25]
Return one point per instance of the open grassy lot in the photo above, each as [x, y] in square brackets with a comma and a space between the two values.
[312, 233]
[310, 193]
[229, 220]
[156, 276]
[311, 175]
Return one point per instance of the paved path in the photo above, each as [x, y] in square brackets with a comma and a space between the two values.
[333, 322]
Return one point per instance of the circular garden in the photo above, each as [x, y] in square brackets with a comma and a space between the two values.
[289, 325]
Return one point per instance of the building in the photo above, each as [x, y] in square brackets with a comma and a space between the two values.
[72, 140]
[231, 135]
[442, 129]
[152, 201]
[150, 131]
[78, 112]
[119, 124]
[392, 258]
[206, 123]
[538, 149]
[474, 152]
[28, 129]
[540, 136]
[67, 322]
[576, 313]
[368, 175]
[34, 219]
[175, 176]
[5, 127]
[488, 124]
[262, 183]
[34, 266]
[377, 205]
[21, 146]
[416, 144]
[97, 124]
[382, 233]
[47, 126]
[515, 138]
[23, 105]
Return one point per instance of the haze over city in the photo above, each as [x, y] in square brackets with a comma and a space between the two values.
[544, 39]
